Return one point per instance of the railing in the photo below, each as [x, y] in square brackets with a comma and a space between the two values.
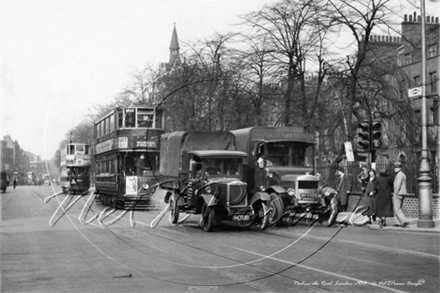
[352, 170]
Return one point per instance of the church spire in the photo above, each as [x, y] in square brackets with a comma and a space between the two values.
[174, 48]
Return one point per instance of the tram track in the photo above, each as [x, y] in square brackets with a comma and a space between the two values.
[268, 273]
[128, 241]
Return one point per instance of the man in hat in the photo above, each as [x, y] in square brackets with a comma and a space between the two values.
[399, 192]
[342, 189]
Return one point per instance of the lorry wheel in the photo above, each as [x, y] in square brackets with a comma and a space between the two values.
[208, 217]
[174, 210]
[267, 214]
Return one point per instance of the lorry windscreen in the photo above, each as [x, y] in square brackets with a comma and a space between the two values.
[224, 166]
[289, 154]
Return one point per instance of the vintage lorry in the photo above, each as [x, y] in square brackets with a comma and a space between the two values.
[202, 173]
[280, 164]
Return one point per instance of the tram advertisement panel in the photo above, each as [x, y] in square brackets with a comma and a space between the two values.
[134, 184]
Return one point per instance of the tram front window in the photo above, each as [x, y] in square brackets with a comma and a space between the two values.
[130, 118]
[139, 164]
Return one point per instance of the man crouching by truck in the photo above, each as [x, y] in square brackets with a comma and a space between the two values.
[331, 201]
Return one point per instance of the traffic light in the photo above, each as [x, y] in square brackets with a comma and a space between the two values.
[365, 136]
[376, 134]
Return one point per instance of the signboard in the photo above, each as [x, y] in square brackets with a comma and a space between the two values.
[131, 185]
[290, 134]
[142, 141]
[104, 146]
[121, 142]
[349, 151]
[415, 92]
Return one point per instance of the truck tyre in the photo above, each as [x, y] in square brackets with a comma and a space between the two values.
[208, 217]
[174, 210]
[267, 213]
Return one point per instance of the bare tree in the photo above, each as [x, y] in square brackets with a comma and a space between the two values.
[292, 29]
[359, 18]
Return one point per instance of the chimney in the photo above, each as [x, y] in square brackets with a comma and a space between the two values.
[415, 14]
[410, 18]
[436, 19]
[405, 18]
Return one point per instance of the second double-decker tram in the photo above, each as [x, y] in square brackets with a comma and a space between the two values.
[126, 152]
[75, 168]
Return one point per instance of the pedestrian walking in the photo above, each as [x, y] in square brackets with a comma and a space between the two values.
[371, 192]
[342, 189]
[384, 206]
[399, 192]
[14, 182]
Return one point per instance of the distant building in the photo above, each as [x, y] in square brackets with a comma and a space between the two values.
[36, 165]
[174, 60]
[409, 58]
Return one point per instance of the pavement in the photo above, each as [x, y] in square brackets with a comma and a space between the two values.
[412, 227]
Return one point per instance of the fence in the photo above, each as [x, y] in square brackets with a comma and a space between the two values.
[411, 202]
[352, 170]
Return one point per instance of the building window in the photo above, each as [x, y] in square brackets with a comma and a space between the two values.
[432, 50]
[400, 59]
[417, 80]
[408, 58]
[432, 86]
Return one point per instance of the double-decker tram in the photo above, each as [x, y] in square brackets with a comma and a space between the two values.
[75, 168]
[126, 152]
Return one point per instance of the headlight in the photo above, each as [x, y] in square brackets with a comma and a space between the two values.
[262, 188]
[291, 191]
[208, 189]
[145, 186]
[270, 175]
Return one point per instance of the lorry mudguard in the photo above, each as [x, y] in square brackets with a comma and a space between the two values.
[276, 188]
[263, 196]
[162, 193]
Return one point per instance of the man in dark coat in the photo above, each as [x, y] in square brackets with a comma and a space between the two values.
[384, 206]
[343, 188]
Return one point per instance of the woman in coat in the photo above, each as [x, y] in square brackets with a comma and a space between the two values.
[384, 206]
[371, 191]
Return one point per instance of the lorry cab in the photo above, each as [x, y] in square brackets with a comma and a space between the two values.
[216, 177]
[202, 173]
[281, 161]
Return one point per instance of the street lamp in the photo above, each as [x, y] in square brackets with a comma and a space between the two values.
[425, 179]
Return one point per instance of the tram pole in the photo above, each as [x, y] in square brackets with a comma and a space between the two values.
[425, 179]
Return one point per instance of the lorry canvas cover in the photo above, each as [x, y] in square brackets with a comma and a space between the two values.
[174, 148]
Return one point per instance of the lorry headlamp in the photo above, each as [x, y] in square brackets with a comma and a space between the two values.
[270, 175]
[145, 186]
[208, 189]
[262, 188]
[291, 191]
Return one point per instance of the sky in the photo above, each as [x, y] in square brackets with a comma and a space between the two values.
[60, 58]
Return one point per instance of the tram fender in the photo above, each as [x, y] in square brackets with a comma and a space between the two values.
[263, 196]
